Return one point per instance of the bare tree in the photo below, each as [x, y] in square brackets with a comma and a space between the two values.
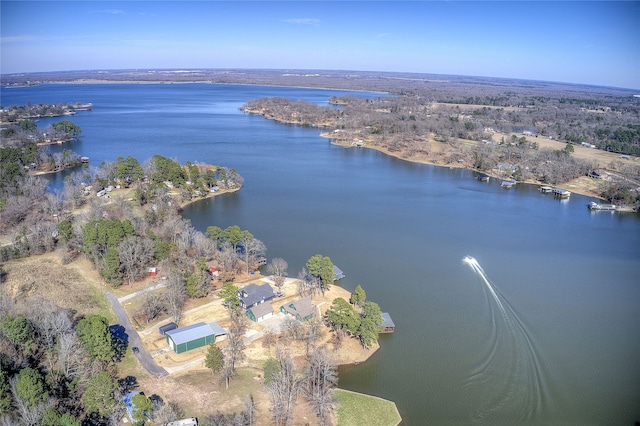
[321, 377]
[175, 295]
[284, 388]
[253, 250]
[313, 331]
[152, 306]
[235, 336]
[278, 269]
[135, 254]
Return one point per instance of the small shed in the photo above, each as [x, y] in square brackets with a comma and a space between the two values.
[260, 312]
[387, 323]
[193, 336]
[337, 272]
[152, 272]
[167, 327]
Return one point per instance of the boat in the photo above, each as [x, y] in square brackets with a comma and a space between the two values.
[506, 184]
[545, 189]
[483, 177]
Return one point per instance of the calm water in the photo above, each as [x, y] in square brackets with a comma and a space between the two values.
[545, 330]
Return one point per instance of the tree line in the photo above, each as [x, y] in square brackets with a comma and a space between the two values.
[411, 125]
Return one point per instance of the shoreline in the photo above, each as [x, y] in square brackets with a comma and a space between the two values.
[579, 191]
[184, 204]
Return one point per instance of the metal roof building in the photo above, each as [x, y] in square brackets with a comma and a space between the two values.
[193, 336]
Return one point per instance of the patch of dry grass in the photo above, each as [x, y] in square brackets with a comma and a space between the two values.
[65, 285]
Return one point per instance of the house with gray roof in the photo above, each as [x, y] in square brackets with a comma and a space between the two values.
[193, 336]
[254, 294]
[301, 310]
[260, 312]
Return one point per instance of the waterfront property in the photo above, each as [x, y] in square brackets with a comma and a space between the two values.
[193, 336]
[254, 294]
[260, 312]
[387, 323]
[301, 310]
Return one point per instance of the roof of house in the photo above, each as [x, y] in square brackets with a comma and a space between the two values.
[386, 320]
[302, 307]
[128, 403]
[261, 310]
[254, 293]
[195, 331]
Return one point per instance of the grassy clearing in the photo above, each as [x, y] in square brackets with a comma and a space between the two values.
[357, 409]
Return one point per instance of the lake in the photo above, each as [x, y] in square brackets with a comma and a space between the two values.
[541, 328]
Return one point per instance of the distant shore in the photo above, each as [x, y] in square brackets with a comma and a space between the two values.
[582, 185]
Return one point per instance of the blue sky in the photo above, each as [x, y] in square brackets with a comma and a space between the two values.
[578, 42]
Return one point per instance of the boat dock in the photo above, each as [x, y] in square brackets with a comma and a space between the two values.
[605, 207]
[561, 193]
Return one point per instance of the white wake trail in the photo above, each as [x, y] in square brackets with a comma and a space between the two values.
[509, 374]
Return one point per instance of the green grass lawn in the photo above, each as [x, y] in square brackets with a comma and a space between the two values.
[355, 409]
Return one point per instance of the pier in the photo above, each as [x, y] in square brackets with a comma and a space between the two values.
[606, 207]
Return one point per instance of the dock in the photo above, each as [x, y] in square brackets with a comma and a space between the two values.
[387, 323]
[506, 184]
[545, 189]
[605, 207]
[561, 193]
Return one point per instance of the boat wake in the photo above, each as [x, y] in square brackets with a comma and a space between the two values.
[507, 384]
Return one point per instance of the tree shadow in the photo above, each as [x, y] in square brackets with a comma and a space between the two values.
[120, 341]
[128, 384]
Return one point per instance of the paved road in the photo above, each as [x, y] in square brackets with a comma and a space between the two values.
[134, 339]
[144, 290]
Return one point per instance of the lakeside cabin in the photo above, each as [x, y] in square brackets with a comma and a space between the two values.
[254, 294]
[387, 323]
[301, 309]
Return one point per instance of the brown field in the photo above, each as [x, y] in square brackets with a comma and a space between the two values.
[76, 286]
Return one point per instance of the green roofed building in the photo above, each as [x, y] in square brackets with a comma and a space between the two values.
[193, 336]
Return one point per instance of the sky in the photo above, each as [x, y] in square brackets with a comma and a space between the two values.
[592, 42]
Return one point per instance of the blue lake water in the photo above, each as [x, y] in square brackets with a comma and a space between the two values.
[547, 333]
